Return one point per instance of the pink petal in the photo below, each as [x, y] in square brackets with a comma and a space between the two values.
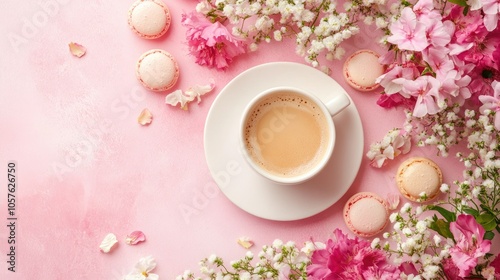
[497, 120]
[77, 49]
[135, 237]
[392, 200]
[245, 242]
[145, 117]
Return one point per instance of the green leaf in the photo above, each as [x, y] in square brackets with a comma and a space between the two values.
[471, 211]
[448, 215]
[489, 235]
[442, 227]
[462, 3]
[487, 220]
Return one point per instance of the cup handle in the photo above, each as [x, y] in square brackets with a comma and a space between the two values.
[337, 104]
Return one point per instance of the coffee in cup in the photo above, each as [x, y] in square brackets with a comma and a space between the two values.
[288, 135]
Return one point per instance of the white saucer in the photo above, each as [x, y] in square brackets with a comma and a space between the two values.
[244, 186]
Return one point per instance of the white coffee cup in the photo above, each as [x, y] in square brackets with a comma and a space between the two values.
[288, 134]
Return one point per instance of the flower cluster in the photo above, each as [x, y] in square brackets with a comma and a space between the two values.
[394, 143]
[346, 258]
[317, 26]
[277, 261]
[340, 258]
[440, 58]
[443, 69]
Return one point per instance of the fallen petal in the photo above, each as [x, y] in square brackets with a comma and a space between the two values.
[135, 237]
[175, 98]
[192, 93]
[245, 242]
[77, 49]
[392, 200]
[145, 117]
[108, 243]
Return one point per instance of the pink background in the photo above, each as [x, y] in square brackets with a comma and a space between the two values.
[86, 168]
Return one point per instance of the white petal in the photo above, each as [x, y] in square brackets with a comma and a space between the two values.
[146, 264]
[134, 276]
[108, 243]
[175, 98]
[153, 277]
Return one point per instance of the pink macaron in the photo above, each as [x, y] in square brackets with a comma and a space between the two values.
[366, 214]
[362, 69]
[149, 19]
[157, 70]
[417, 177]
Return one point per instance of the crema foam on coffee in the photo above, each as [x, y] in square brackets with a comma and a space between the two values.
[286, 134]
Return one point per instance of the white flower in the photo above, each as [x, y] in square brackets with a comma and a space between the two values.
[437, 240]
[278, 36]
[475, 191]
[375, 242]
[211, 259]
[421, 226]
[398, 226]
[488, 273]
[444, 188]
[245, 276]
[142, 270]
[277, 243]
[249, 254]
[406, 208]
[393, 217]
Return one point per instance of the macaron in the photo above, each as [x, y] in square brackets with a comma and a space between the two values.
[366, 214]
[417, 176]
[362, 69]
[157, 70]
[149, 19]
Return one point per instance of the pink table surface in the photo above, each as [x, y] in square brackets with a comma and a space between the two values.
[86, 168]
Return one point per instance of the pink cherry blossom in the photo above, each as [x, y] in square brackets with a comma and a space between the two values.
[491, 9]
[426, 90]
[492, 103]
[392, 81]
[438, 59]
[211, 43]
[454, 86]
[346, 258]
[407, 32]
[467, 27]
[470, 245]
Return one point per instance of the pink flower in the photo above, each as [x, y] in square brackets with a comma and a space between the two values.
[426, 89]
[451, 270]
[394, 100]
[408, 268]
[392, 81]
[482, 78]
[470, 245]
[492, 103]
[491, 9]
[211, 43]
[496, 265]
[345, 258]
[407, 32]
[438, 59]
[467, 27]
